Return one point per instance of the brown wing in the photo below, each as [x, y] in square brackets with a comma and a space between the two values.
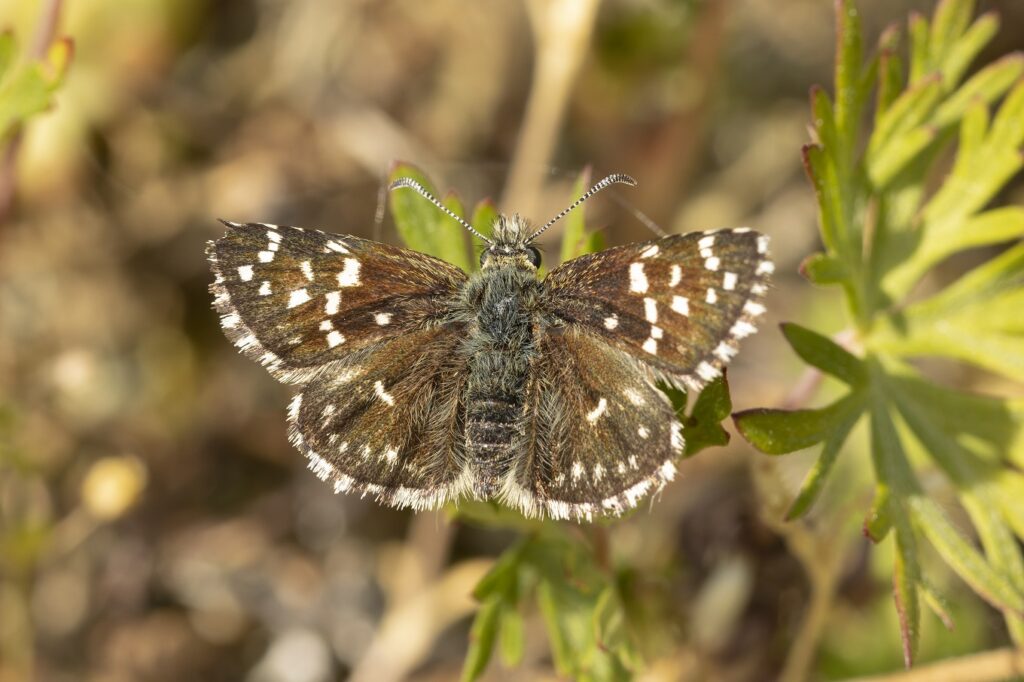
[599, 434]
[678, 304]
[297, 299]
[389, 420]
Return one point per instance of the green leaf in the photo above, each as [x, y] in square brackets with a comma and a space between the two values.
[824, 270]
[815, 480]
[422, 226]
[949, 23]
[481, 639]
[879, 520]
[511, 640]
[976, 319]
[825, 354]
[920, 63]
[936, 602]
[984, 87]
[967, 48]
[27, 88]
[890, 147]
[778, 432]
[906, 578]
[558, 637]
[1001, 549]
[575, 239]
[485, 213]
[703, 427]
[849, 55]
[964, 559]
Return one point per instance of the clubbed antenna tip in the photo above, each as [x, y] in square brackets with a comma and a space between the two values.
[615, 178]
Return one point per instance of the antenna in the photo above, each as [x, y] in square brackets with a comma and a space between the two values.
[409, 182]
[610, 180]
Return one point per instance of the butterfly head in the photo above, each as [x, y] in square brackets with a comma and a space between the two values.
[512, 241]
[511, 244]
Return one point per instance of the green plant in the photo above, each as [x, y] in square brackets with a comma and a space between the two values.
[27, 86]
[896, 197]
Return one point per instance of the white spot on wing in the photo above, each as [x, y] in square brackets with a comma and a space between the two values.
[729, 280]
[349, 275]
[637, 278]
[706, 371]
[335, 338]
[676, 275]
[765, 268]
[650, 251]
[762, 244]
[326, 326]
[273, 236]
[712, 263]
[230, 321]
[577, 470]
[643, 432]
[681, 305]
[651, 346]
[265, 256]
[265, 288]
[382, 319]
[706, 242]
[724, 351]
[336, 246]
[386, 397]
[656, 332]
[245, 272]
[650, 310]
[742, 329]
[596, 413]
[753, 308]
[307, 269]
[598, 472]
[333, 302]
[298, 297]
[712, 296]
[611, 322]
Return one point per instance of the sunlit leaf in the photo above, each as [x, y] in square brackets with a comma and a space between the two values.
[778, 432]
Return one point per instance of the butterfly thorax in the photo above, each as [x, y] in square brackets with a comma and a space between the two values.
[503, 296]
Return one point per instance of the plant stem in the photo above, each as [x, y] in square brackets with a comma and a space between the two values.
[562, 30]
[1000, 664]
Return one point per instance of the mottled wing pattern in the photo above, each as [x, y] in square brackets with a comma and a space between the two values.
[365, 329]
[599, 434]
[296, 299]
[389, 422]
[679, 304]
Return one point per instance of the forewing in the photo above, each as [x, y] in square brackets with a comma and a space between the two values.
[390, 422]
[296, 299]
[679, 304]
[599, 434]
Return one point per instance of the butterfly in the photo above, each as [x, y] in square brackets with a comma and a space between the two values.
[420, 384]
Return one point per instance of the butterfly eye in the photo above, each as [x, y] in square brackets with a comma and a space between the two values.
[534, 255]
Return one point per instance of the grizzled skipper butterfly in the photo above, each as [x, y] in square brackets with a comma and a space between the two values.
[420, 384]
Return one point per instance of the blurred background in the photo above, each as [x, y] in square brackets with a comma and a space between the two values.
[154, 522]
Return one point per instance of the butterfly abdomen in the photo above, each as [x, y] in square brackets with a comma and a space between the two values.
[501, 347]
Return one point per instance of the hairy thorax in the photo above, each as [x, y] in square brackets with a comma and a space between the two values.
[501, 348]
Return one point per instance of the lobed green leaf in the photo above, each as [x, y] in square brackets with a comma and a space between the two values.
[825, 354]
[778, 432]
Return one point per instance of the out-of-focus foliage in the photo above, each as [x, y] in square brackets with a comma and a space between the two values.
[883, 228]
